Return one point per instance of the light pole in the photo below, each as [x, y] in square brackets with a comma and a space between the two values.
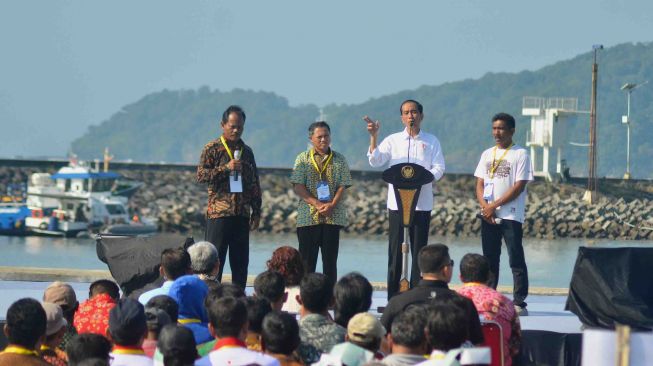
[628, 87]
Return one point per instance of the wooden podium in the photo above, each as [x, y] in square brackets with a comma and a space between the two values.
[407, 180]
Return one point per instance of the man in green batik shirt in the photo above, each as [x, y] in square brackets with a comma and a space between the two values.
[320, 177]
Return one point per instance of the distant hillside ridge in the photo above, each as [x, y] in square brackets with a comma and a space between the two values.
[173, 126]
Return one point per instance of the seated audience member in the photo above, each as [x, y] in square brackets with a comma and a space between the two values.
[204, 261]
[177, 345]
[87, 346]
[25, 327]
[287, 261]
[315, 326]
[437, 268]
[54, 331]
[63, 295]
[156, 319]
[93, 314]
[228, 324]
[271, 285]
[473, 324]
[127, 330]
[280, 338]
[174, 264]
[446, 329]
[353, 295]
[365, 330]
[167, 304]
[407, 340]
[491, 304]
[190, 292]
[257, 309]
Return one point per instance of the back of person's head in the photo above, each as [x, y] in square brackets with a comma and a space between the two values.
[223, 290]
[190, 292]
[175, 263]
[127, 323]
[227, 317]
[280, 333]
[352, 294]
[177, 345]
[104, 287]
[62, 294]
[270, 285]
[257, 309]
[26, 323]
[433, 257]
[446, 326]
[474, 268]
[366, 331]
[407, 328]
[472, 320]
[55, 323]
[287, 261]
[203, 257]
[316, 292]
[165, 303]
[156, 319]
[87, 346]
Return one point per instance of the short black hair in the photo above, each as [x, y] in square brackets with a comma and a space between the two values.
[407, 328]
[227, 315]
[318, 124]
[270, 285]
[257, 309]
[232, 109]
[316, 292]
[446, 326]
[472, 324]
[223, 290]
[167, 304]
[353, 295]
[474, 268]
[104, 287]
[26, 322]
[175, 262]
[87, 346]
[177, 345]
[505, 117]
[418, 104]
[280, 333]
[433, 257]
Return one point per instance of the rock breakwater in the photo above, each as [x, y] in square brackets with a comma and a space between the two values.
[553, 210]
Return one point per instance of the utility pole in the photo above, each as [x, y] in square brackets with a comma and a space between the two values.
[628, 87]
[592, 186]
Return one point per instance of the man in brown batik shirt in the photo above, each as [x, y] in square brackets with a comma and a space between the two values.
[234, 207]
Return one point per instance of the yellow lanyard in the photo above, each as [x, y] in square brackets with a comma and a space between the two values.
[20, 351]
[224, 143]
[188, 321]
[495, 165]
[324, 165]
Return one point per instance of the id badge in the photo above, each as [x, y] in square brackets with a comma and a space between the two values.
[235, 186]
[323, 193]
[488, 191]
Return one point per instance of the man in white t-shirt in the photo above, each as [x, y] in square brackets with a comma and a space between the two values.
[412, 145]
[502, 175]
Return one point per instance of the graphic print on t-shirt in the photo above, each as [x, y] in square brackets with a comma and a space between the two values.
[503, 170]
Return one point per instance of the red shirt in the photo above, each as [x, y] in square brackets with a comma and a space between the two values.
[93, 315]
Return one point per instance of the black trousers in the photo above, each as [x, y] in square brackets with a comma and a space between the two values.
[511, 232]
[311, 239]
[419, 235]
[231, 234]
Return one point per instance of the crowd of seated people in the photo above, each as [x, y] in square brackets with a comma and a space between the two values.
[194, 320]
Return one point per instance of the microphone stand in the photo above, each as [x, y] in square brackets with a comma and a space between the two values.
[404, 284]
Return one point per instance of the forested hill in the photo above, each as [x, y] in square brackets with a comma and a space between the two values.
[173, 126]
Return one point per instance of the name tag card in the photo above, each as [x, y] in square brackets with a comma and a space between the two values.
[323, 193]
[235, 186]
[488, 191]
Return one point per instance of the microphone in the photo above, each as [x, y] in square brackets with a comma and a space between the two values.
[236, 157]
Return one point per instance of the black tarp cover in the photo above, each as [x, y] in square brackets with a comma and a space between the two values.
[134, 261]
[613, 285]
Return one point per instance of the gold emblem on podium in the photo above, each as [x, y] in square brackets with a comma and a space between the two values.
[407, 172]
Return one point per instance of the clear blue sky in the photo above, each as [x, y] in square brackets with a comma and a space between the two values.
[66, 65]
